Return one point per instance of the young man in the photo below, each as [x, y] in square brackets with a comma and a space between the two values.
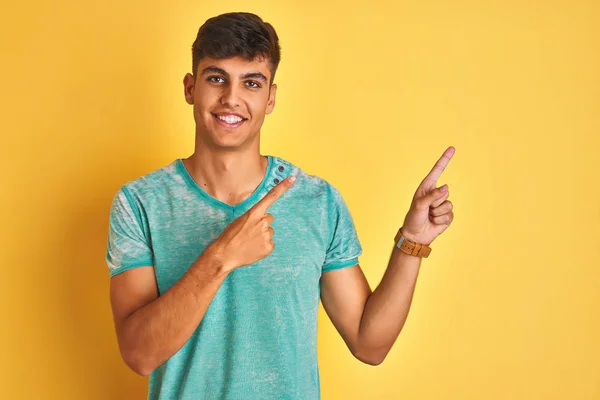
[218, 261]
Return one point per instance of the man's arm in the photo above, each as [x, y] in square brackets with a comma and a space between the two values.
[369, 322]
[150, 329]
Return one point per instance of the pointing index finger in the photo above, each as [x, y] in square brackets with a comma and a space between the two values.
[440, 165]
[263, 205]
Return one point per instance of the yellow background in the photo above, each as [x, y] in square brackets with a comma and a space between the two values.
[370, 95]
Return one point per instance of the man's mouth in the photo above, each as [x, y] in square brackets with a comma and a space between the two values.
[229, 120]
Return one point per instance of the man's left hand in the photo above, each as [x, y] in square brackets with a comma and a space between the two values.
[430, 213]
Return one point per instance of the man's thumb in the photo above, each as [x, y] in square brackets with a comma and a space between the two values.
[436, 194]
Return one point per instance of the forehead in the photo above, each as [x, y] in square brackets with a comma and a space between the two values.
[237, 66]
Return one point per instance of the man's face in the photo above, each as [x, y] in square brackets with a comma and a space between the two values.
[231, 98]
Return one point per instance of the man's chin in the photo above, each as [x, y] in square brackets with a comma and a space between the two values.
[227, 140]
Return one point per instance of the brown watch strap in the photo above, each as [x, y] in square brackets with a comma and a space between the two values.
[412, 248]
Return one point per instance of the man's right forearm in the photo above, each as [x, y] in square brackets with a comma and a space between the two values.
[153, 333]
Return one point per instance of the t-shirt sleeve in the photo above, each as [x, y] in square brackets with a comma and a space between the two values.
[344, 246]
[128, 245]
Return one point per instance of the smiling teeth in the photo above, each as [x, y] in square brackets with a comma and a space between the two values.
[230, 119]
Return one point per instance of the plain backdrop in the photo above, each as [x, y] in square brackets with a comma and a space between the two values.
[370, 95]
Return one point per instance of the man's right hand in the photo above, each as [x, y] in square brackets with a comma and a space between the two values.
[249, 238]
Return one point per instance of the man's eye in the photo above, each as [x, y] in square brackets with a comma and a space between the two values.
[213, 78]
[253, 84]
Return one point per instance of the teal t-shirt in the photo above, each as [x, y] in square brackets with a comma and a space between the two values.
[258, 338]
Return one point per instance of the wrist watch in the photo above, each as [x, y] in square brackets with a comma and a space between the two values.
[410, 247]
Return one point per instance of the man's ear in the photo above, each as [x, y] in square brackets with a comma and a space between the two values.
[188, 88]
[271, 102]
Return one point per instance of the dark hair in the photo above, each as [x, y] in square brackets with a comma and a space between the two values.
[237, 34]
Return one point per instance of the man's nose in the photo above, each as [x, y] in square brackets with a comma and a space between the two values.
[231, 96]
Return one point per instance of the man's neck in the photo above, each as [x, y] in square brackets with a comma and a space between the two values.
[229, 177]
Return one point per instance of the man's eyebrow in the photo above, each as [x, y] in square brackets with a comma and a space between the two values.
[249, 75]
[214, 70]
[255, 75]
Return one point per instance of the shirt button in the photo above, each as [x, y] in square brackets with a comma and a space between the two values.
[280, 168]
[276, 180]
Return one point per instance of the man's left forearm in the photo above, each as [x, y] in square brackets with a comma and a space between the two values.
[387, 307]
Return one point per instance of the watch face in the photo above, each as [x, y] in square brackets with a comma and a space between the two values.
[400, 242]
